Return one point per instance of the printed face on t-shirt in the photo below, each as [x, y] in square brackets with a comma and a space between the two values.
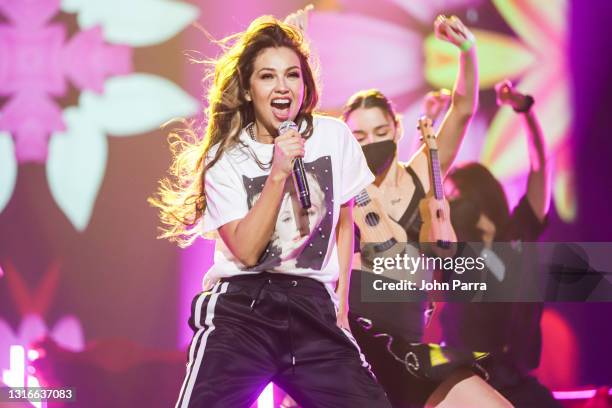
[299, 235]
[294, 224]
[276, 87]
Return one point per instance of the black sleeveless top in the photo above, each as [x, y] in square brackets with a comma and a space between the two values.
[411, 219]
[400, 319]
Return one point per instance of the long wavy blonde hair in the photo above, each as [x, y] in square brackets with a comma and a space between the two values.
[181, 198]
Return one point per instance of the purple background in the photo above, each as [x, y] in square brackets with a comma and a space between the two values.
[122, 282]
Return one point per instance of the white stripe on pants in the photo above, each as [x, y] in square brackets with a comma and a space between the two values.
[203, 331]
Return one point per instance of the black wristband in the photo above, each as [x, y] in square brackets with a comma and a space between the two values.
[526, 106]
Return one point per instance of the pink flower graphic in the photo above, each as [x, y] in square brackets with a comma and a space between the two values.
[36, 63]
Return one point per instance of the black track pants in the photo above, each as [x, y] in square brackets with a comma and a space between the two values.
[254, 329]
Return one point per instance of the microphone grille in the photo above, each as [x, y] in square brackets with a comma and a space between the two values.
[285, 126]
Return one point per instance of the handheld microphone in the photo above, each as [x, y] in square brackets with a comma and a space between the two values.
[299, 172]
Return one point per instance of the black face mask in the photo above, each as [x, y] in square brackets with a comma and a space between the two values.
[380, 156]
[465, 215]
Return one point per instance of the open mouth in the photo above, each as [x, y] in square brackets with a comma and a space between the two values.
[280, 108]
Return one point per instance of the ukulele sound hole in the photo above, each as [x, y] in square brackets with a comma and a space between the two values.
[372, 219]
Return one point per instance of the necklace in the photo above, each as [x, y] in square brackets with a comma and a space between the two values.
[251, 131]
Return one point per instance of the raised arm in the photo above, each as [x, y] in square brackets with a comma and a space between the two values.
[464, 98]
[538, 182]
[248, 237]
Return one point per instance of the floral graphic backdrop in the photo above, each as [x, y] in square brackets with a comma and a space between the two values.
[38, 63]
[393, 49]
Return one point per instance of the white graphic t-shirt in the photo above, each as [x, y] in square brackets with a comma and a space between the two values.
[304, 241]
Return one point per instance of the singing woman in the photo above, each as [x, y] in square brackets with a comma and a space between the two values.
[275, 305]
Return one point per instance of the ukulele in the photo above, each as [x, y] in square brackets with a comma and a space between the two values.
[380, 235]
[437, 236]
